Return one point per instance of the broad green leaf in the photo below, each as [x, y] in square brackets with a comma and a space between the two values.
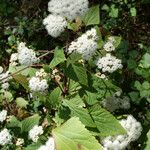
[92, 17]
[21, 102]
[91, 98]
[73, 58]
[105, 88]
[54, 98]
[59, 57]
[74, 136]
[106, 123]
[21, 79]
[77, 72]
[147, 147]
[29, 123]
[82, 113]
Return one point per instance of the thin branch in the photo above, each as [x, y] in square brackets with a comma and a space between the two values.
[25, 67]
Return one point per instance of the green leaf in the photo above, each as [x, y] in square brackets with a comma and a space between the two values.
[74, 136]
[30, 122]
[21, 79]
[133, 11]
[21, 102]
[147, 147]
[33, 146]
[77, 72]
[59, 57]
[54, 98]
[146, 85]
[82, 113]
[106, 123]
[92, 17]
[114, 12]
[146, 60]
[14, 123]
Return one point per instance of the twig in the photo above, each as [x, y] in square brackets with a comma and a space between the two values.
[25, 67]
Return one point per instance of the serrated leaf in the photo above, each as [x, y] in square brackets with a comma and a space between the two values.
[21, 102]
[59, 57]
[106, 123]
[30, 122]
[77, 72]
[92, 17]
[54, 98]
[74, 136]
[82, 113]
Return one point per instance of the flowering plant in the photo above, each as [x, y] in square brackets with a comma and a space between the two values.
[71, 97]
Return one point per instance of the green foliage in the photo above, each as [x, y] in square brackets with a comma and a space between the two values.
[73, 135]
[59, 57]
[92, 17]
[105, 122]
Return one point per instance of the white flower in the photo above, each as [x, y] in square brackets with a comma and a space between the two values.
[120, 142]
[50, 145]
[35, 132]
[26, 56]
[111, 39]
[5, 137]
[14, 57]
[5, 86]
[109, 47]
[54, 25]
[109, 63]
[5, 77]
[1, 69]
[43, 147]
[3, 115]
[20, 142]
[41, 73]
[68, 8]
[114, 103]
[37, 85]
[85, 45]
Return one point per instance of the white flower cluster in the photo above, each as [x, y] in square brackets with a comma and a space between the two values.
[114, 103]
[120, 142]
[50, 145]
[85, 45]
[3, 115]
[38, 83]
[109, 63]
[13, 59]
[5, 137]
[4, 76]
[20, 142]
[55, 23]
[35, 132]
[69, 9]
[109, 45]
[26, 56]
